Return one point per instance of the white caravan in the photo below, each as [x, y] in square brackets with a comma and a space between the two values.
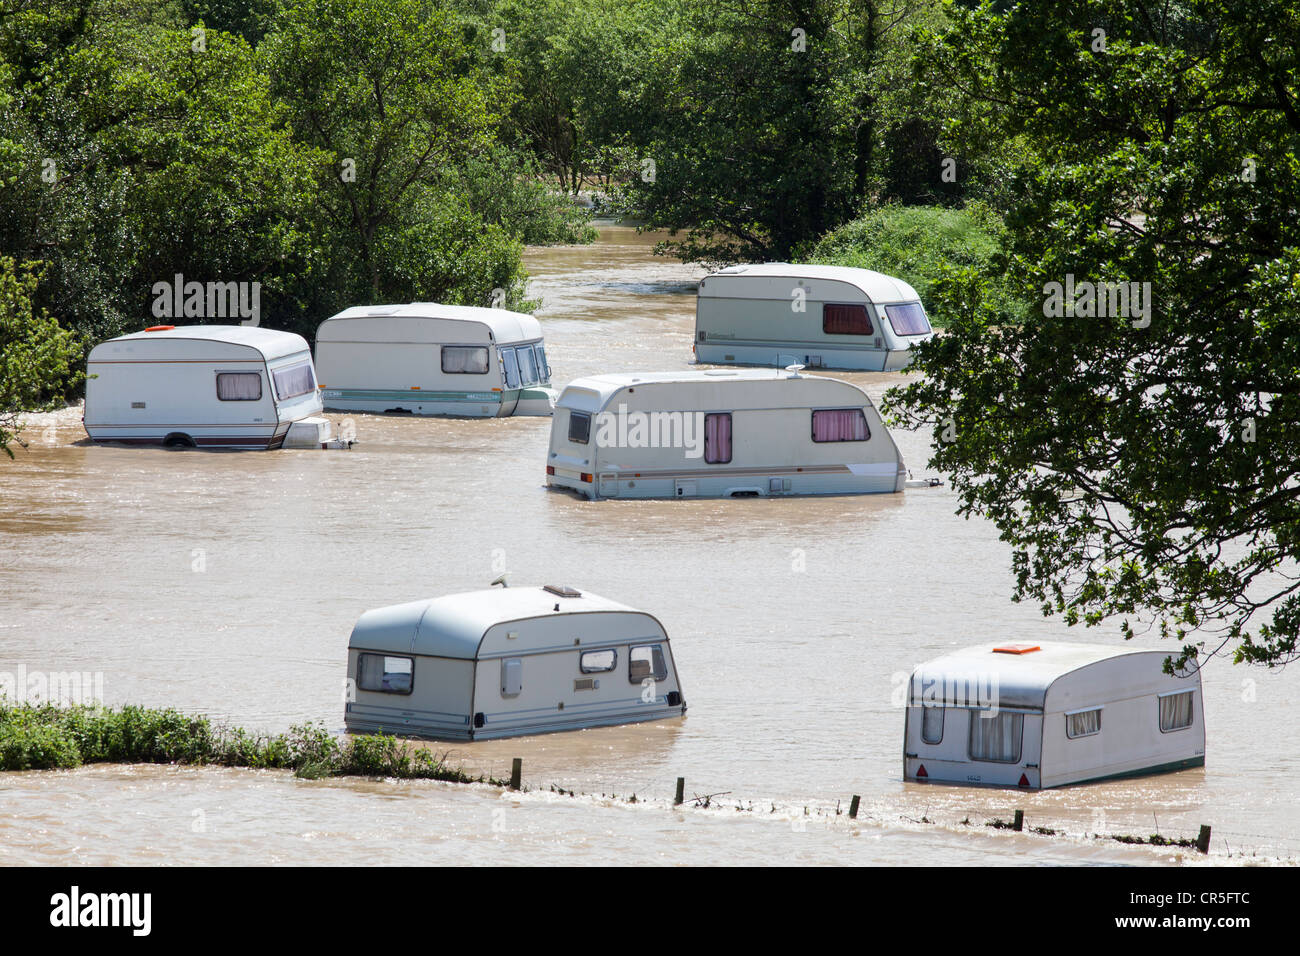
[508, 661]
[722, 433]
[207, 386]
[429, 359]
[1050, 714]
[817, 316]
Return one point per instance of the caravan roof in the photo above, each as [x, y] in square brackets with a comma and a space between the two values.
[1023, 674]
[607, 386]
[454, 625]
[877, 286]
[271, 343]
[505, 326]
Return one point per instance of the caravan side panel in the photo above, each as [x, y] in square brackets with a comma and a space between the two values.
[438, 705]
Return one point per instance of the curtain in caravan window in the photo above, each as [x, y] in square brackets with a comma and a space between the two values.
[239, 386]
[846, 320]
[527, 365]
[1083, 725]
[839, 424]
[512, 367]
[294, 380]
[996, 738]
[465, 359]
[1175, 711]
[717, 438]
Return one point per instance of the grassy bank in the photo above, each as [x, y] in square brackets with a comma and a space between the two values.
[47, 737]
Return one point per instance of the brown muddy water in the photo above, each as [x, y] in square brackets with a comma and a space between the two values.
[227, 584]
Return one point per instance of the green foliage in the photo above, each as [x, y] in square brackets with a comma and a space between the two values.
[36, 354]
[1142, 466]
[47, 737]
[919, 244]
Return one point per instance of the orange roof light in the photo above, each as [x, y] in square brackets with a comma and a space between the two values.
[1016, 649]
[160, 328]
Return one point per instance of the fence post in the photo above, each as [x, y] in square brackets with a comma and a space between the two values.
[681, 792]
[516, 773]
[853, 807]
[1020, 821]
[1203, 839]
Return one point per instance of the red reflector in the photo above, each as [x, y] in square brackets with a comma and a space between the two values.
[1024, 781]
[1016, 649]
[550, 469]
[585, 477]
[920, 772]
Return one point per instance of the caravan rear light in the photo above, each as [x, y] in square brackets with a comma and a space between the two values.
[550, 469]
[1024, 781]
[585, 476]
[921, 774]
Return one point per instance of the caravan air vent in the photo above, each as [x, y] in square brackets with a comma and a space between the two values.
[562, 590]
[1016, 649]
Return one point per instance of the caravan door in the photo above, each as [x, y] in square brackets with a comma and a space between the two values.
[510, 376]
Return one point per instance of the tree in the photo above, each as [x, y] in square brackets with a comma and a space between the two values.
[760, 121]
[1133, 434]
[36, 354]
[388, 93]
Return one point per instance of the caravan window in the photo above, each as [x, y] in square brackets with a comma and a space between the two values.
[932, 725]
[717, 438]
[1084, 723]
[385, 673]
[239, 386]
[465, 359]
[1175, 711]
[511, 366]
[294, 380]
[840, 424]
[846, 320]
[646, 661]
[597, 662]
[908, 318]
[543, 369]
[527, 365]
[996, 738]
[579, 427]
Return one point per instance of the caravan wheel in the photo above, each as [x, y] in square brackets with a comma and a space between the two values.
[178, 440]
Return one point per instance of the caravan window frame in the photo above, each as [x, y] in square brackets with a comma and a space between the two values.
[385, 690]
[1191, 715]
[926, 708]
[657, 656]
[731, 437]
[866, 314]
[575, 413]
[584, 668]
[1077, 713]
[442, 358]
[283, 372]
[862, 416]
[978, 714]
[261, 389]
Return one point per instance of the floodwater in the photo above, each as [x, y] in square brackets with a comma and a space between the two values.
[227, 584]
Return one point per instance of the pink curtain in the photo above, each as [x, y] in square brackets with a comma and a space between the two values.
[845, 320]
[717, 438]
[839, 424]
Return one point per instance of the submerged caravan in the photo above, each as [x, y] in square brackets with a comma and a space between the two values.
[783, 314]
[207, 386]
[431, 359]
[1050, 714]
[722, 433]
[508, 661]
